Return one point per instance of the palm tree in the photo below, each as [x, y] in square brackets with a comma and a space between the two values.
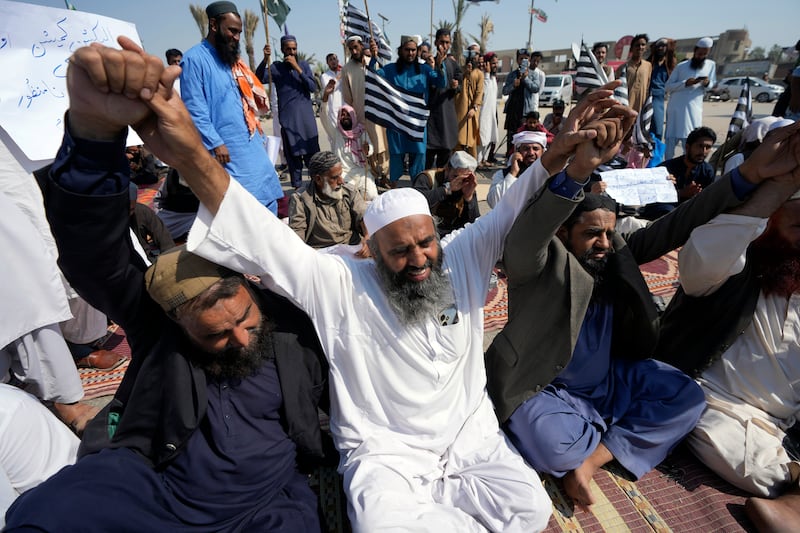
[486, 26]
[459, 10]
[251, 20]
[200, 17]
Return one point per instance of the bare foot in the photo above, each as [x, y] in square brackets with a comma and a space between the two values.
[775, 516]
[75, 415]
[577, 485]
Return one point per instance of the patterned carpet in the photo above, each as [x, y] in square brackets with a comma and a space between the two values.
[681, 495]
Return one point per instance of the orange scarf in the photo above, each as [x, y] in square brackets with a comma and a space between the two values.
[254, 96]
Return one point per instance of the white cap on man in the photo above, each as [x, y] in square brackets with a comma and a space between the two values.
[704, 42]
[529, 137]
[394, 205]
[462, 159]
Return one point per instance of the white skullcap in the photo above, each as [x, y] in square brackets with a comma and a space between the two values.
[408, 38]
[758, 128]
[705, 42]
[462, 159]
[528, 137]
[354, 38]
[475, 45]
[394, 205]
[780, 123]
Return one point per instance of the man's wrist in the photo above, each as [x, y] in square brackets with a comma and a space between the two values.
[83, 126]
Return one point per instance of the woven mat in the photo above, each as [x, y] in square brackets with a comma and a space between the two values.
[97, 383]
[680, 495]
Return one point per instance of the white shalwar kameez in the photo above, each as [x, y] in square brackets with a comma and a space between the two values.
[487, 127]
[421, 446]
[501, 182]
[685, 107]
[753, 391]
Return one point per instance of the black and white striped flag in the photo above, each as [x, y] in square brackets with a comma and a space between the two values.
[394, 108]
[621, 92]
[743, 113]
[641, 129]
[356, 23]
[589, 75]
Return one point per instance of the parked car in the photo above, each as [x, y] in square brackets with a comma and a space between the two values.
[718, 93]
[556, 87]
[761, 90]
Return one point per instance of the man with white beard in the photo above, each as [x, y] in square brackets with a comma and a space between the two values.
[328, 211]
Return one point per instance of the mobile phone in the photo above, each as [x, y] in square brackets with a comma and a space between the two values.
[524, 64]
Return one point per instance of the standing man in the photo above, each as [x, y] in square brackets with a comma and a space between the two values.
[600, 51]
[225, 100]
[294, 83]
[410, 75]
[521, 87]
[686, 86]
[443, 120]
[352, 83]
[488, 116]
[637, 72]
[539, 76]
[662, 58]
[468, 107]
[332, 74]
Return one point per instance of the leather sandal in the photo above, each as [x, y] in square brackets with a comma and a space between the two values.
[101, 360]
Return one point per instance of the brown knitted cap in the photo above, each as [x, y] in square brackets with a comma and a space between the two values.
[178, 276]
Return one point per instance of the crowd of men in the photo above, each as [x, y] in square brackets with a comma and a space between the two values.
[369, 306]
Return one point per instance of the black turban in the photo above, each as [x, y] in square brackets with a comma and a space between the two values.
[216, 9]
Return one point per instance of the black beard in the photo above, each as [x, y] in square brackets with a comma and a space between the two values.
[597, 269]
[777, 263]
[697, 63]
[227, 49]
[238, 363]
[347, 124]
[415, 301]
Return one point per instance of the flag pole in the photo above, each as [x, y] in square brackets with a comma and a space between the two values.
[369, 21]
[530, 27]
[265, 17]
[430, 35]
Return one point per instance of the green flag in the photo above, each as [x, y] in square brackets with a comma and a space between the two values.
[277, 9]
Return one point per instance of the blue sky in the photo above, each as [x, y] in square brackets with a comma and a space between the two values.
[166, 24]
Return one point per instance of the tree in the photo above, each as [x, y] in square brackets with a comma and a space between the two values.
[486, 26]
[251, 20]
[775, 53]
[757, 53]
[200, 17]
[459, 10]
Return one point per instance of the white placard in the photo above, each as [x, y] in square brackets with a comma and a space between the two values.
[35, 45]
[639, 186]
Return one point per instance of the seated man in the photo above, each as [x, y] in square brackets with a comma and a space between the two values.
[570, 374]
[450, 192]
[691, 171]
[225, 379]
[555, 120]
[528, 147]
[327, 211]
[34, 445]
[417, 433]
[742, 269]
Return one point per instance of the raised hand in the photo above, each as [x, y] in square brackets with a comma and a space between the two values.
[778, 155]
[611, 129]
[109, 88]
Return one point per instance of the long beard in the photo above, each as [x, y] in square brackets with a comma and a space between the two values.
[697, 63]
[330, 192]
[415, 301]
[238, 362]
[227, 49]
[777, 263]
[597, 269]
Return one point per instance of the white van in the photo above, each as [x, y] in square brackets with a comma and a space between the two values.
[556, 87]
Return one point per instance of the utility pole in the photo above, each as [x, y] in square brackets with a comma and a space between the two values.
[530, 27]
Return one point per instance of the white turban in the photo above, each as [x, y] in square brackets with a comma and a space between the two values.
[758, 128]
[705, 42]
[528, 137]
[354, 38]
[394, 205]
[780, 123]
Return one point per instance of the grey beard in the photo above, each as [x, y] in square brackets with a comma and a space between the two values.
[330, 192]
[415, 301]
[233, 363]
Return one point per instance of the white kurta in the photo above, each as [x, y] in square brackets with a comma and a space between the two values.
[335, 99]
[359, 176]
[540, 78]
[501, 182]
[488, 117]
[420, 443]
[753, 391]
[34, 445]
[685, 107]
